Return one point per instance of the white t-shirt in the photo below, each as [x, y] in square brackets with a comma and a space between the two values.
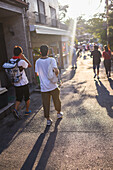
[24, 79]
[41, 67]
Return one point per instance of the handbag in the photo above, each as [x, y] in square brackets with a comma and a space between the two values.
[51, 74]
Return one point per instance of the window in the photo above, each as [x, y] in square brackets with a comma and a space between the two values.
[41, 14]
[53, 17]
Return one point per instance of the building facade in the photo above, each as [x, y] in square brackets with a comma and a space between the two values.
[45, 28]
[30, 24]
[12, 31]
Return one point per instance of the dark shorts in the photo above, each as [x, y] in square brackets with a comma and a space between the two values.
[22, 91]
[96, 66]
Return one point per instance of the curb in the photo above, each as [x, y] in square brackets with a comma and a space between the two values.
[6, 110]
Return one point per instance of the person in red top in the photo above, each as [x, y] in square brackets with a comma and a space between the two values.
[107, 60]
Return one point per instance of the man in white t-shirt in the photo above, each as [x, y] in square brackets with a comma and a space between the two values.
[21, 87]
[48, 88]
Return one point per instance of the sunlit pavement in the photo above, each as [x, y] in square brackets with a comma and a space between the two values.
[83, 139]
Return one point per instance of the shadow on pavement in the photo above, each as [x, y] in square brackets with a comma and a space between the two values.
[111, 83]
[69, 75]
[29, 163]
[104, 98]
[9, 126]
[72, 73]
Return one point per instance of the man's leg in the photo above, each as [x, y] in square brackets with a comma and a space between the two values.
[105, 65]
[46, 104]
[17, 105]
[109, 68]
[27, 105]
[26, 98]
[73, 62]
[56, 99]
[94, 67]
[19, 97]
[98, 71]
[76, 62]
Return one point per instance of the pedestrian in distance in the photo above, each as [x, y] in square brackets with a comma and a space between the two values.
[96, 54]
[107, 61]
[78, 53]
[74, 58]
[48, 88]
[21, 87]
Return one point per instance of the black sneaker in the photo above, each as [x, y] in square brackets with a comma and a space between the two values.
[109, 75]
[94, 75]
[98, 77]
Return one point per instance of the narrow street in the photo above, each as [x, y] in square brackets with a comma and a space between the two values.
[83, 139]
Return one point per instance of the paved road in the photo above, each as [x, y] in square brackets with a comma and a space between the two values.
[83, 139]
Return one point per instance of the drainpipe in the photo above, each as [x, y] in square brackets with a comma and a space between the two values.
[29, 47]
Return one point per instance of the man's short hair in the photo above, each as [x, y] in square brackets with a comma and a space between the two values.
[96, 47]
[17, 50]
[44, 50]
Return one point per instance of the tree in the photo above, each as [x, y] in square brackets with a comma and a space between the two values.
[70, 23]
[95, 26]
[110, 23]
[62, 11]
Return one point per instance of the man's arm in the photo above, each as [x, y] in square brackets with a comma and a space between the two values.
[56, 70]
[24, 58]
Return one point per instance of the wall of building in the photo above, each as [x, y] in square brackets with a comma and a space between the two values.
[14, 27]
[51, 40]
[14, 32]
[39, 39]
[33, 7]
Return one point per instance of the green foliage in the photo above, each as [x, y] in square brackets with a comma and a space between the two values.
[96, 26]
[81, 26]
[70, 23]
[110, 24]
[36, 51]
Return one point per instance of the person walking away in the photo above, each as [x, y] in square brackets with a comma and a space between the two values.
[21, 87]
[96, 54]
[48, 88]
[107, 61]
[78, 53]
[74, 58]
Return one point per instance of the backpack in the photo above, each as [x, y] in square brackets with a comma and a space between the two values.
[12, 71]
[51, 74]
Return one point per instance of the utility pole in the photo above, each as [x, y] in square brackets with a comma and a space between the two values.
[107, 16]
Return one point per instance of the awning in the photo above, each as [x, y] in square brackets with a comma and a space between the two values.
[49, 30]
